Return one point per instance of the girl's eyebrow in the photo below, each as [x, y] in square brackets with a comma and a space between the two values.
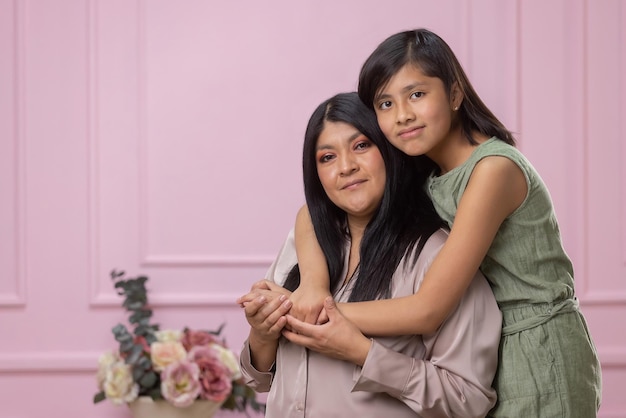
[404, 89]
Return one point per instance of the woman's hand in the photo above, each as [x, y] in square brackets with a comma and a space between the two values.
[265, 312]
[263, 287]
[338, 338]
[266, 316]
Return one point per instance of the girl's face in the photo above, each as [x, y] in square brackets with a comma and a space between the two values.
[351, 169]
[415, 112]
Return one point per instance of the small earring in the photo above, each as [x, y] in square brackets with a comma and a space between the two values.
[456, 108]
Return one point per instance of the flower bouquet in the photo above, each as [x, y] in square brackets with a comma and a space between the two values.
[177, 366]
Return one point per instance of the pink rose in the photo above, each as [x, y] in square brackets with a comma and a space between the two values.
[179, 383]
[193, 338]
[215, 378]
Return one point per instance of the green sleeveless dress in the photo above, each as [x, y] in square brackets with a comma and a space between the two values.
[548, 365]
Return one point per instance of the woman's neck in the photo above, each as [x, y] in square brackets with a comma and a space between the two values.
[356, 227]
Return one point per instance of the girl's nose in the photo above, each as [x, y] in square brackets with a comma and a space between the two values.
[404, 113]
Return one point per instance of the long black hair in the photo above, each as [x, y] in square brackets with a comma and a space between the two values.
[403, 221]
[432, 55]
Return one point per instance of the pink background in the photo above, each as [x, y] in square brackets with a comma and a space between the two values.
[164, 138]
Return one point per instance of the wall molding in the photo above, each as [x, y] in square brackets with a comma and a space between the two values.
[167, 260]
[87, 361]
[173, 299]
[93, 201]
[17, 298]
[622, 132]
[602, 298]
[50, 362]
[9, 299]
[206, 261]
[612, 357]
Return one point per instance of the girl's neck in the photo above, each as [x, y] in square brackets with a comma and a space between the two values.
[454, 151]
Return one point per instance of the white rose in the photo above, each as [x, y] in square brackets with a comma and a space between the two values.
[105, 361]
[168, 335]
[229, 359]
[119, 386]
[166, 353]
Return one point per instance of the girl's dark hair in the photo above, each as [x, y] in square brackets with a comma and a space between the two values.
[403, 221]
[432, 55]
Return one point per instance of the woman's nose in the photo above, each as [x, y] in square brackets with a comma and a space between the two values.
[348, 164]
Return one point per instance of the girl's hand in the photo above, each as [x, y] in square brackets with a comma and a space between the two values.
[308, 304]
[338, 338]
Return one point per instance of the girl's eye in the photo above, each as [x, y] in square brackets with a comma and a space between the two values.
[417, 94]
[384, 105]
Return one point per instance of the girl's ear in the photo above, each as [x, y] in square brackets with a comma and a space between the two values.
[456, 96]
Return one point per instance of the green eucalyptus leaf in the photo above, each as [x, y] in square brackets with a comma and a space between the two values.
[155, 393]
[145, 322]
[144, 363]
[99, 397]
[239, 390]
[119, 329]
[143, 330]
[151, 338]
[138, 373]
[148, 380]
[134, 305]
[134, 355]
[123, 336]
[230, 404]
[116, 273]
[126, 346]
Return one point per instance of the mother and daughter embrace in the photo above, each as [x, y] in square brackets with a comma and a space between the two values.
[426, 275]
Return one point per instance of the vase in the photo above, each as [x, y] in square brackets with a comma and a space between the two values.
[146, 407]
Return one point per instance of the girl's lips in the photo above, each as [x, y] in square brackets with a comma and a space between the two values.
[409, 133]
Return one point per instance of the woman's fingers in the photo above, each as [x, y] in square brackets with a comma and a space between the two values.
[268, 316]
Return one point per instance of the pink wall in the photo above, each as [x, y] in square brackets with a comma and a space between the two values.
[164, 138]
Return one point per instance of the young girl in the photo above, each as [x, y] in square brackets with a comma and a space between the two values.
[502, 222]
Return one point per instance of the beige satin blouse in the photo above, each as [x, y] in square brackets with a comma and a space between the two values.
[447, 374]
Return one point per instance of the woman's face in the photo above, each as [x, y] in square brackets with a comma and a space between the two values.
[414, 112]
[351, 169]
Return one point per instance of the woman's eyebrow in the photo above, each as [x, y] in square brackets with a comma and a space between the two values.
[349, 139]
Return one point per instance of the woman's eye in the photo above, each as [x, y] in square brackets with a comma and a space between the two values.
[417, 94]
[384, 105]
[362, 145]
[325, 158]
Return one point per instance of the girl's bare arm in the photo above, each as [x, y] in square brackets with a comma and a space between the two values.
[496, 188]
[308, 298]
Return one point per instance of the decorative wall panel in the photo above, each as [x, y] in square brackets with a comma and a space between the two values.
[165, 139]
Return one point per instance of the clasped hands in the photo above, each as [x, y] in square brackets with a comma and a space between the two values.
[272, 311]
